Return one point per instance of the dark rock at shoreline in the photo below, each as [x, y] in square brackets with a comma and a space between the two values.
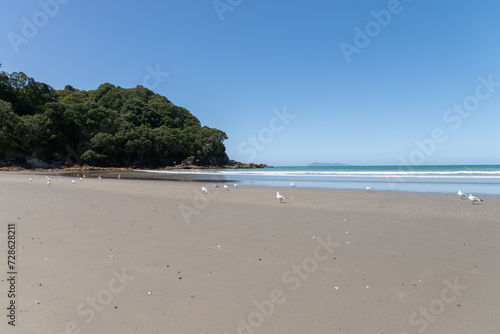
[23, 164]
[192, 163]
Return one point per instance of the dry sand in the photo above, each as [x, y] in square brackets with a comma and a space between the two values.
[129, 256]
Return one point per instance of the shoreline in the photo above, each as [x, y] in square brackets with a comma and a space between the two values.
[156, 175]
[235, 165]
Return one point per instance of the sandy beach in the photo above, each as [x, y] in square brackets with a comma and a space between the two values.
[137, 256]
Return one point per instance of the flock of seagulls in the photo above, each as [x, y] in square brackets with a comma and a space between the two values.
[72, 181]
[216, 186]
[473, 198]
[280, 197]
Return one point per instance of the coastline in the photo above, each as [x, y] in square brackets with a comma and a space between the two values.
[236, 258]
[478, 180]
[234, 165]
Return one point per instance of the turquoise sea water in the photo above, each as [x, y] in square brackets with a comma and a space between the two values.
[440, 179]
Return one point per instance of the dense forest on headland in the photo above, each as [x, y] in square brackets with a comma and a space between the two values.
[108, 127]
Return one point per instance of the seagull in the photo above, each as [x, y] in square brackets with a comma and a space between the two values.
[36, 176]
[73, 181]
[461, 194]
[280, 197]
[226, 187]
[368, 189]
[119, 176]
[99, 177]
[81, 179]
[48, 182]
[474, 199]
[216, 186]
[235, 185]
[30, 179]
[204, 190]
[292, 185]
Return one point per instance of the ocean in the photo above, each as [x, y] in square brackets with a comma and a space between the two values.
[437, 179]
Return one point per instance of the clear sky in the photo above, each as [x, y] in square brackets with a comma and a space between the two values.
[290, 82]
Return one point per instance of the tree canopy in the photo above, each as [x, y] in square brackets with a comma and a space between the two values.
[110, 126]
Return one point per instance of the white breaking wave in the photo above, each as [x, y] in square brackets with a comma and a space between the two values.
[341, 174]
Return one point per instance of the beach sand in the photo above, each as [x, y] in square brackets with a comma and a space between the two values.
[135, 256]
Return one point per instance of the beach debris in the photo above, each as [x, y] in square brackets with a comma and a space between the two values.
[367, 286]
[280, 197]
[474, 199]
[204, 190]
[292, 185]
[461, 194]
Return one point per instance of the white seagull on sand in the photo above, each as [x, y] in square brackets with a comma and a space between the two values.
[204, 190]
[368, 189]
[73, 181]
[292, 185]
[30, 179]
[216, 186]
[226, 187]
[461, 194]
[280, 197]
[235, 185]
[474, 199]
[48, 182]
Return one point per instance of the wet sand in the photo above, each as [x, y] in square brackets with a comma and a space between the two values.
[136, 256]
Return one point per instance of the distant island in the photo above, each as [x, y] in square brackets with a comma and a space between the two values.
[326, 164]
[111, 127]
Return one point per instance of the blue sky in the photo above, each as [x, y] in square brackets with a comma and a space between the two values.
[362, 82]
